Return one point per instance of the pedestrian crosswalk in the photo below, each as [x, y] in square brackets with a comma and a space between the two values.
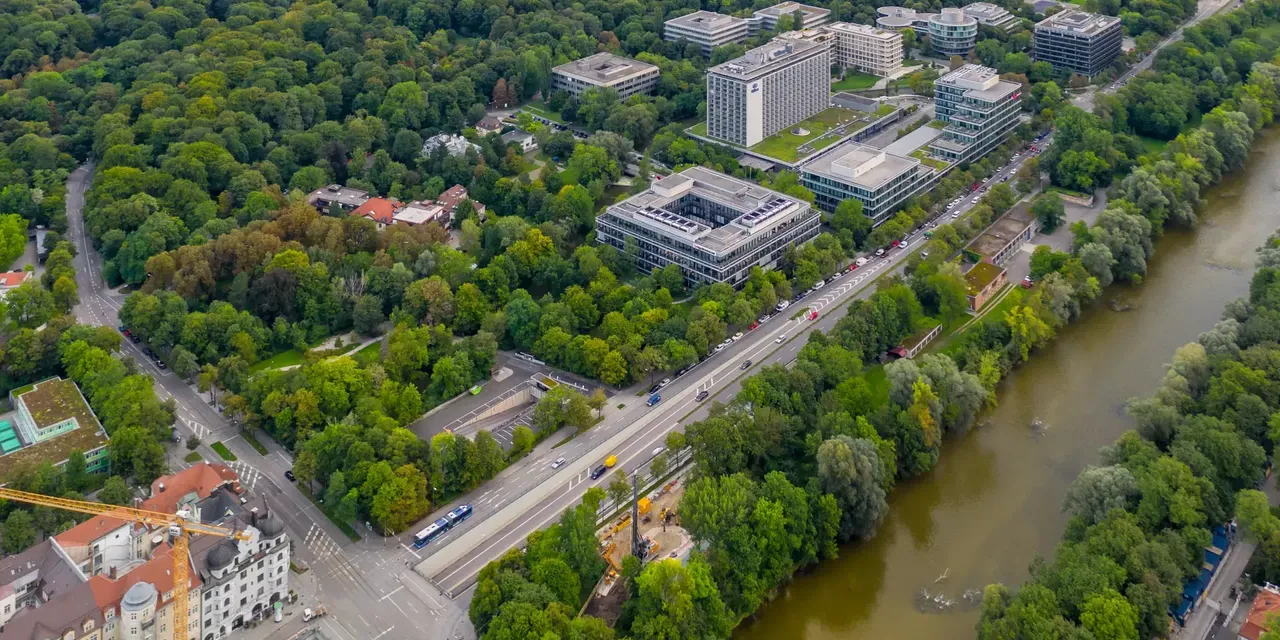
[320, 543]
[248, 475]
[196, 428]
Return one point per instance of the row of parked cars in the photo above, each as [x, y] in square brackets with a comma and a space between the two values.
[146, 350]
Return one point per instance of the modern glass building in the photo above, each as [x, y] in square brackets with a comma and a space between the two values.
[715, 227]
[953, 33]
[980, 110]
[767, 90]
[1080, 42]
[881, 181]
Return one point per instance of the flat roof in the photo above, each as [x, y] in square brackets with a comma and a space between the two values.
[1076, 21]
[604, 68]
[708, 21]
[758, 209]
[865, 30]
[986, 11]
[916, 139]
[861, 165]
[54, 400]
[345, 195]
[53, 451]
[981, 275]
[419, 213]
[1002, 231]
[788, 8]
[779, 53]
[979, 82]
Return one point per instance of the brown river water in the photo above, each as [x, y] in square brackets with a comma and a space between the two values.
[993, 502]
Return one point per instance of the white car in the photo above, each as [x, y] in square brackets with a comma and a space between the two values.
[924, 254]
[781, 338]
[558, 463]
[657, 451]
[955, 215]
[736, 337]
[860, 261]
[718, 349]
[782, 305]
[879, 252]
[819, 284]
[764, 318]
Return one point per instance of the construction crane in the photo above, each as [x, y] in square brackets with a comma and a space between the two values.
[179, 527]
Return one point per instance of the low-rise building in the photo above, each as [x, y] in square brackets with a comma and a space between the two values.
[606, 71]
[879, 180]
[1266, 604]
[767, 18]
[421, 212]
[380, 210]
[713, 226]
[706, 29]
[453, 196]
[527, 141]
[452, 143]
[488, 125]
[1005, 236]
[980, 110]
[983, 281]
[52, 420]
[32, 578]
[901, 18]
[11, 280]
[993, 15]
[346, 198]
[1078, 41]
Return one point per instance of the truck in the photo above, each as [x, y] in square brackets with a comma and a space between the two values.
[309, 614]
[654, 399]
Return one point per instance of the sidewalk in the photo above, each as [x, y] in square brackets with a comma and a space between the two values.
[304, 585]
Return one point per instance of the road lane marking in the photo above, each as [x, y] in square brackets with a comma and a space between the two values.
[391, 594]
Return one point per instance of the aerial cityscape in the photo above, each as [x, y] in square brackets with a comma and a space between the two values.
[349, 320]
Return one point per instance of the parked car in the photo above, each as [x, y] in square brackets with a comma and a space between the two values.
[1027, 282]
[736, 337]
[682, 372]
[135, 339]
[288, 474]
[665, 382]
[859, 262]
[746, 365]
[718, 349]
[819, 284]
[879, 253]
[782, 305]
[558, 463]
[764, 318]
[702, 395]
[924, 254]
[656, 386]
[753, 326]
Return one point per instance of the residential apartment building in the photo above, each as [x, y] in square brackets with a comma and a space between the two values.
[993, 16]
[980, 110]
[715, 227]
[110, 579]
[767, 90]
[767, 18]
[605, 71]
[953, 33]
[867, 49]
[1077, 41]
[706, 29]
[881, 181]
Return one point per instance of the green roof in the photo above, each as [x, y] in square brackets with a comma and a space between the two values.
[55, 400]
[54, 451]
[981, 275]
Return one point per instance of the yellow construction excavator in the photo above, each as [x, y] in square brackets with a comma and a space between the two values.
[178, 526]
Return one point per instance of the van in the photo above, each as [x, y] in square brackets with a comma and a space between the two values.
[860, 261]
[654, 399]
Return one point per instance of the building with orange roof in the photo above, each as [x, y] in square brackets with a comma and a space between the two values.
[139, 603]
[380, 210]
[1265, 605]
[10, 280]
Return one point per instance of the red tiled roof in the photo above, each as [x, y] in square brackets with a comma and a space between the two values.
[380, 209]
[158, 571]
[201, 479]
[12, 278]
[83, 534]
[1265, 604]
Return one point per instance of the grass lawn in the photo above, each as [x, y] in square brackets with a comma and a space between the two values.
[884, 110]
[1153, 145]
[282, 359]
[223, 451]
[784, 145]
[1068, 192]
[699, 129]
[924, 159]
[539, 108]
[369, 354]
[193, 457]
[937, 124]
[854, 80]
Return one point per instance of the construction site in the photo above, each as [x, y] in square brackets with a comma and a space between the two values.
[655, 523]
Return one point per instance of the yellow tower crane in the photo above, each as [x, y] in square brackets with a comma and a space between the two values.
[179, 530]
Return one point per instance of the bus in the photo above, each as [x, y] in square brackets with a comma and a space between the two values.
[458, 515]
[433, 531]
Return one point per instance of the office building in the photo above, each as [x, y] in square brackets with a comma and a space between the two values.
[52, 420]
[881, 181]
[605, 71]
[767, 90]
[901, 18]
[953, 33]
[993, 16]
[866, 49]
[980, 110]
[767, 18]
[706, 29]
[715, 227]
[1076, 41]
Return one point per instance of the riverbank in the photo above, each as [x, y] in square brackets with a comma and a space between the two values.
[992, 502]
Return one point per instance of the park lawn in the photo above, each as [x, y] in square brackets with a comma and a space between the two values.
[1153, 145]
[223, 451]
[368, 354]
[282, 359]
[541, 109]
[854, 80]
[699, 129]
[784, 144]
[884, 110]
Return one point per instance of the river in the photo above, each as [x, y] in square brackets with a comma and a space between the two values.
[992, 503]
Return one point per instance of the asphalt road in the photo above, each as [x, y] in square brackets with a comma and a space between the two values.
[531, 495]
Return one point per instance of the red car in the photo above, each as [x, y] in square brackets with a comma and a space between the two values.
[813, 315]
[753, 326]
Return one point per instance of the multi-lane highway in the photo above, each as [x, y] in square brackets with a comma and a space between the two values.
[516, 504]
